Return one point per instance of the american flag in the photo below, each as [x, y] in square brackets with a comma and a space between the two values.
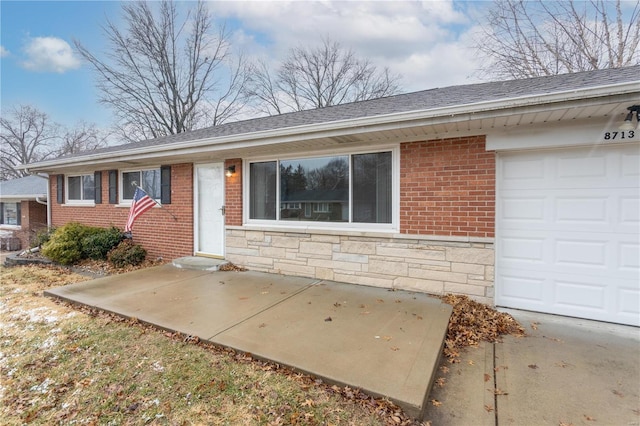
[140, 204]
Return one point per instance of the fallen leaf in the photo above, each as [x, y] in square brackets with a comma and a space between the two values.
[533, 366]
[534, 325]
[379, 300]
[395, 348]
[387, 338]
[487, 377]
[561, 364]
[470, 362]
[489, 408]
[440, 382]
[444, 369]
[263, 325]
[436, 403]
[589, 418]
[308, 403]
[327, 319]
[617, 393]
[337, 305]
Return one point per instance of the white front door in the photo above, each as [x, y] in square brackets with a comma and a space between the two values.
[209, 209]
[568, 232]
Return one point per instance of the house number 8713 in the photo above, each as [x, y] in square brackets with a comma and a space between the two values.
[620, 135]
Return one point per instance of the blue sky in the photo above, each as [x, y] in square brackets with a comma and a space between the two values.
[428, 43]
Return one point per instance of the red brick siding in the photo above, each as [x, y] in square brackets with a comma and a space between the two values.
[233, 193]
[33, 217]
[156, 230]
[447, 187]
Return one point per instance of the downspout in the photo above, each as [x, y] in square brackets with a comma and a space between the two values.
[46, 203]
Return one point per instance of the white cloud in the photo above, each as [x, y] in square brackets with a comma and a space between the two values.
[3, 52]
[49, 54]
[426, 42]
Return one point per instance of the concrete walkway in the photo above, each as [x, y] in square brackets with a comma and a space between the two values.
[387, 343]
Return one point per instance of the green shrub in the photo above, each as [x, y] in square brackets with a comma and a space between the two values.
[41, 237]
[97, 246]
[127, 254]
[65, 243]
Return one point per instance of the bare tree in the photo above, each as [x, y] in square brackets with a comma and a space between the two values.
[319, 77]
[536, 38]
[165, 75]
[27, 135]
[82, 137]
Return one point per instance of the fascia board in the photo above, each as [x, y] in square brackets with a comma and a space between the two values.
[334, 128]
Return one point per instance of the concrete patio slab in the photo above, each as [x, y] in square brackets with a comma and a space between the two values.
[387, 343]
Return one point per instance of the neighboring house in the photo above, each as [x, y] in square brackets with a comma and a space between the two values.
[23, 211]
[523, 194]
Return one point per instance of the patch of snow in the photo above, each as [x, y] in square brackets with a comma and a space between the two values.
[42, 387]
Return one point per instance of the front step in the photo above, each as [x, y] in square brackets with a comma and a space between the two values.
[199, 263]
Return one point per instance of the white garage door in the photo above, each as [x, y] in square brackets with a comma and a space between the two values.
[568, 232]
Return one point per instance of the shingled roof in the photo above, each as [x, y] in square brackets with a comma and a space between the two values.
[426, 100]
[28, 187]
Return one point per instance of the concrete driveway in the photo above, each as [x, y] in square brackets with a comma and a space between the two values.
[566, 371]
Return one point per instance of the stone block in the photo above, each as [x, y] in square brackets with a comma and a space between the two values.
[348, 257]
[254, 236]
[480, 256]
[423, 286]
[320, 238]
[468, 268]
[428, 274]
[364, 280]
[324, 274]
[336, 265]
[273, 252]
[470, 290]
[358, 247]
[388, 267]
[286, 242]
[410, 253]
[311, 247]
[239, 242]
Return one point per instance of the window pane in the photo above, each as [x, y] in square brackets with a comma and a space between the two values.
[127, 188]
[262, 192]
[151, 183]
[9, 213]
[372, 188]
[318, 186]
[74, 190]
[88, 188]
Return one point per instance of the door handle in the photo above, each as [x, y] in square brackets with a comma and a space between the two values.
[223, 210]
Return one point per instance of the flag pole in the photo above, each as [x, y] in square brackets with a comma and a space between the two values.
[134, 183]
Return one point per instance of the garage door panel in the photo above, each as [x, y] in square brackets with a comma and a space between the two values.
[568, 232]
[523, 288]
[595, 210]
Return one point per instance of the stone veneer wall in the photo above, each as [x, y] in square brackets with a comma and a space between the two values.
[424, 264]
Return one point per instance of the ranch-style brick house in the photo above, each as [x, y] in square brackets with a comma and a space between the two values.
[522, 194]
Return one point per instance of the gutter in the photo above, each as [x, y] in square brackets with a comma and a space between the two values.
[444, 114]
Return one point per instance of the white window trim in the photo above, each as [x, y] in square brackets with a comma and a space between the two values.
[394, 226]
[70, 202]
[127, 202]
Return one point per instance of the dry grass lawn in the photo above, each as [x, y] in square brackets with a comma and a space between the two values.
[60, 364]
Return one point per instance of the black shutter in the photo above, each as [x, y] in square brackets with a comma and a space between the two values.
[97, 182]
[165, 185]
[1, 213]
[60, 189]
[19, 213]
[113, 187]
